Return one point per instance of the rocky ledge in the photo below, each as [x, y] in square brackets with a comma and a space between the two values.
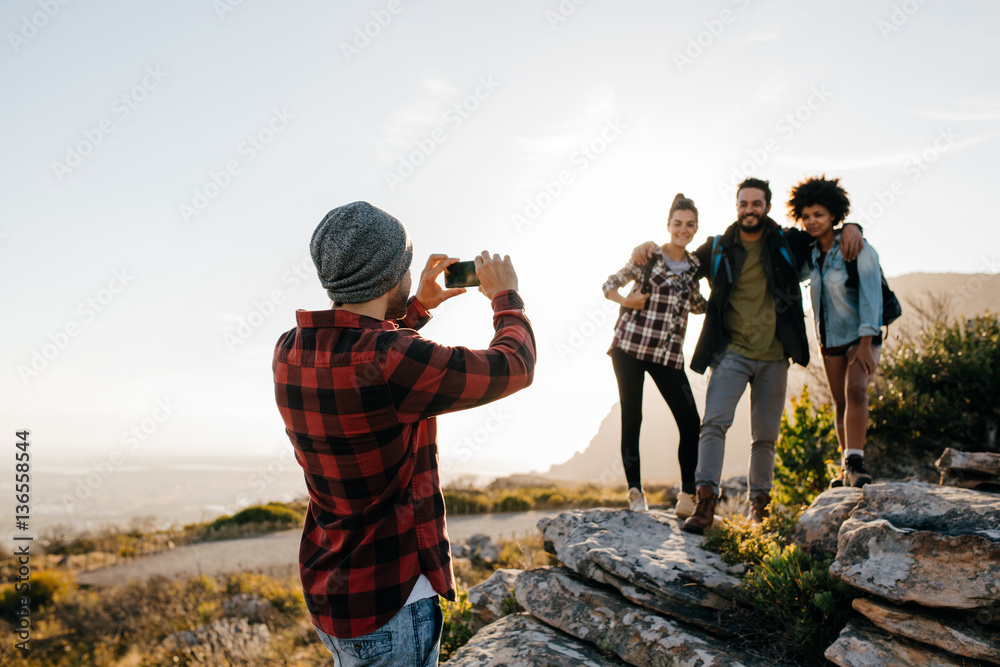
[634, 589]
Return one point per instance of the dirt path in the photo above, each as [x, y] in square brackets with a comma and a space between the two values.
[278, 553]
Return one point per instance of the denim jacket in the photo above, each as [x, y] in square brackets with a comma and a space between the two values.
[850, 312]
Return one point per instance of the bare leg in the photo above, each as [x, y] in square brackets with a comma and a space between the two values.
[836, 377]
[856, 421]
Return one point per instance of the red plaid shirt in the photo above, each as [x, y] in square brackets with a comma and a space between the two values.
[359, 398]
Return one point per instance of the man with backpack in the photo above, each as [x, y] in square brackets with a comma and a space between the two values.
[754, 324]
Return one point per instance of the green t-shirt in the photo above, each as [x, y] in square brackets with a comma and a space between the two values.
[750, 318]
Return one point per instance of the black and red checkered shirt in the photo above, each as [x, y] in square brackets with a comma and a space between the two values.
[656, 332]
[359, 398]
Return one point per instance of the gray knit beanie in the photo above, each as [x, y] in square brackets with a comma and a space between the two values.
[360, 252]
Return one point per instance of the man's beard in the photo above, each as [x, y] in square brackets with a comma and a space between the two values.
[751, 229]
[396, 307]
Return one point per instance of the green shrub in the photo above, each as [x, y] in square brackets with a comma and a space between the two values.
[809, 606]
[457, 628]
[513, 502]
[798, 591]
[272, 513]
[44, 588]
[738, 540]
[940, 390]
[461, 502]
[806, 453]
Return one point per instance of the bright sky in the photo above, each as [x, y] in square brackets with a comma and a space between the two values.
[164, 165]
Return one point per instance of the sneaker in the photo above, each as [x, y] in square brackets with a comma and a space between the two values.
[855, 473]
[758, 507]
[685, 505]
[704, 512]
[637, 500]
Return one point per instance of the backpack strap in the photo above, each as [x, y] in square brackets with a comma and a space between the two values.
[647, 273]
[716, 256]
[784, 247]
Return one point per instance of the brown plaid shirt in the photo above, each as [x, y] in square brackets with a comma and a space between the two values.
[656, 333]
[359, 398]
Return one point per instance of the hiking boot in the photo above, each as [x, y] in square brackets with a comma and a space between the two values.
[685, 505]
[637, 500]
[758, 507]
[704, 512]
[837, 481]
[855, 473]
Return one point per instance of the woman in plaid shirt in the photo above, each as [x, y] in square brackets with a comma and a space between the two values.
[649, 335]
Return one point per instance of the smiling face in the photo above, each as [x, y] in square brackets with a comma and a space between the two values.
[751, 207]
[817, 220]
[682, 227]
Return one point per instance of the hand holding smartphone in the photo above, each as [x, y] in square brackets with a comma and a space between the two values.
[461, 274]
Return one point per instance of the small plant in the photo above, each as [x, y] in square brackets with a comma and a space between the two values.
[784, 582]
[457, 628]
[798, 591]
[806, 453]
[272, 513]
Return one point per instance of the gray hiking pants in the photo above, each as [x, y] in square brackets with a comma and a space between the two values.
[726, 385]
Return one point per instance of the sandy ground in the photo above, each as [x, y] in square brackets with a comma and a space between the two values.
[277, 553]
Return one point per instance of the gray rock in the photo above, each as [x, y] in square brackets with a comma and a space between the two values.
[954, 636]
[887, 546]
[647, 557]
[459, 551]
[637, 635]
[478, 541]
[481, 548]
[519, 640]
[817, 528]
[489, 554]
[252, 607]
[941, 509]
[223, 642]
[860, 646]
[970, 470]
[487, 597]
[985, 463]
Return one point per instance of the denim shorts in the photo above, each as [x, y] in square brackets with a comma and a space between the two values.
[411, 638]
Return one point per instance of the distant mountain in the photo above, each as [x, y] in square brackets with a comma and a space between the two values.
[959, 295]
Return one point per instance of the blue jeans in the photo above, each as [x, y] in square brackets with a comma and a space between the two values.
[726, 385]
[412, 637]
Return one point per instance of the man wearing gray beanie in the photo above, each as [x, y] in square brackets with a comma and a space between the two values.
[359, 391]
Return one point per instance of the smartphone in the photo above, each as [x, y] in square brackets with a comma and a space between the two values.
[461, 274]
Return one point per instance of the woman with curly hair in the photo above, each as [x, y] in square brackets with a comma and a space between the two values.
[649, 335]
[847, 307]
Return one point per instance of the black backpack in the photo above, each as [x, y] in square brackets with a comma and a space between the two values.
[891, 310]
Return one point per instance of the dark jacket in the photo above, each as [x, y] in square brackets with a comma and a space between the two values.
[786, 257]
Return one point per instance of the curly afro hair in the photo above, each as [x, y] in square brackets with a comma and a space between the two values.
[823, 191]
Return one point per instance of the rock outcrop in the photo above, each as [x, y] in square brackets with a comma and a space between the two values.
[488, 598]
[636, 634]
[860, 645]
[954, 634]
[970, 470]
[634, 588]
[932, 545]
[931, 557]
[819, 525]
[649, 559]
[520, 640]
